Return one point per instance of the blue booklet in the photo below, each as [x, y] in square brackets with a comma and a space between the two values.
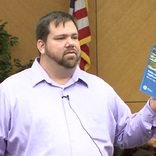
[148, 83]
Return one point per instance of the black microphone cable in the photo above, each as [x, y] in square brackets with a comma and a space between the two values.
[67, 97]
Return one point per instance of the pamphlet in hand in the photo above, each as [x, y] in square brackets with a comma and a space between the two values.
[148, 83]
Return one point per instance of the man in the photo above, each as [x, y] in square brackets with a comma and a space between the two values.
[56, 109]
[148, 149]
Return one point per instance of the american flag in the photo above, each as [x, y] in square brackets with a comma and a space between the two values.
[79, 9]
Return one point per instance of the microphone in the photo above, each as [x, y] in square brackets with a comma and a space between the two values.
[65, 96]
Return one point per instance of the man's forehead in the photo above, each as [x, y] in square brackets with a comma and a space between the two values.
[68, 27]
[62, 24]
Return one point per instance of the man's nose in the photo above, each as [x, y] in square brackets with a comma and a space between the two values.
[70, 41]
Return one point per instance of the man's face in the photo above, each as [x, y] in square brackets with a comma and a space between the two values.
[62, 45]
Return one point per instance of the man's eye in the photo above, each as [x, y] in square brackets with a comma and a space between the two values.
[59, 38]
[75, 37]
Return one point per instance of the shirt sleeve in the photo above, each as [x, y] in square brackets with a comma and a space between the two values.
[137, 129]
[149, 119]
[4, 120]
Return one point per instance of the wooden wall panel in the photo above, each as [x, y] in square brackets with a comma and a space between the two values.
[125, 32]
[93, 27]
[136, 106]
[22, 16]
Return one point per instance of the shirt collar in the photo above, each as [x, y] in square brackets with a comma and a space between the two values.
[40, 75]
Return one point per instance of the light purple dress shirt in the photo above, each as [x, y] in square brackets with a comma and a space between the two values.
[85, 117]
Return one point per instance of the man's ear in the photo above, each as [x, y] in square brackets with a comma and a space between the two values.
[41, 46]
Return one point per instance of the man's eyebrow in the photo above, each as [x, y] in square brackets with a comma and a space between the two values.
[74, 34]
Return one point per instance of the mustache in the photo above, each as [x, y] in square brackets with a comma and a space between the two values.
[70, 49]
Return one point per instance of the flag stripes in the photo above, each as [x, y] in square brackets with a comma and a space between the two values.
[78, 8]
